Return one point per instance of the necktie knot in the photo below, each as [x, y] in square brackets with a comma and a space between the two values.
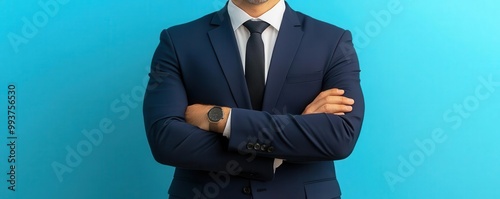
[256, 26]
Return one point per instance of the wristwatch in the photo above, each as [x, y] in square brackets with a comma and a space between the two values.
[215, 114]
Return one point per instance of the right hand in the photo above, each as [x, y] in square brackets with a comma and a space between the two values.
[330, 101]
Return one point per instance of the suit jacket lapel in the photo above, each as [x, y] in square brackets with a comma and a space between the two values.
[225, 46]
[287, 44]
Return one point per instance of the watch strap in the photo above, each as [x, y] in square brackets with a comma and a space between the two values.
[212, 126]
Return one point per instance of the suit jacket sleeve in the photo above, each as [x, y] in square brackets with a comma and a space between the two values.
[177, 143]
[307, 137]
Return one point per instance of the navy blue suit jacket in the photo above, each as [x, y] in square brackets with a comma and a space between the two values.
[199, 62]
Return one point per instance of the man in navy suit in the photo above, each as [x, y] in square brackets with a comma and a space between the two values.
[254, 101]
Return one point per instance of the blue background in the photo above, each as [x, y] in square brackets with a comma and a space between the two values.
[85, 63]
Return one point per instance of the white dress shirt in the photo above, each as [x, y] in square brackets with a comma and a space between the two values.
[273, 17]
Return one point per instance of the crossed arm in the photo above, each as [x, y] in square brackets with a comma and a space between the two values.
[330, 101]
[327, 129]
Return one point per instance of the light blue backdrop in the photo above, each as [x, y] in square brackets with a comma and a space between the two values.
[431, 76]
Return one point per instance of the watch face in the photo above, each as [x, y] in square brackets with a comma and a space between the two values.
[215, 114]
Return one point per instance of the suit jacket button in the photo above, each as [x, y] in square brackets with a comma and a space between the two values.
[263, 147]
[270, 149]
[256, 147]
[249, 146]
[247, 190]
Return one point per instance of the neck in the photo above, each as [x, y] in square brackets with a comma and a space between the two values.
[255, 10]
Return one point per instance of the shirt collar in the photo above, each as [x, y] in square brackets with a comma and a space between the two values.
[273, 16]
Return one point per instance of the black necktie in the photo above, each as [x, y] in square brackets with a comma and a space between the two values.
[254, 62]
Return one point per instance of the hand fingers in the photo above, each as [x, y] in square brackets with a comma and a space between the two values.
[330, 92]
[337, 100]
[331, 102]
[334, 108]
[337, 109]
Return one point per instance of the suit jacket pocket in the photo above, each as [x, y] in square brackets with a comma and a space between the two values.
[328, 189]
[304, 77]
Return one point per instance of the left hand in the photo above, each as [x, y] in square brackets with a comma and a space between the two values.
[196, 115]
[330, 101]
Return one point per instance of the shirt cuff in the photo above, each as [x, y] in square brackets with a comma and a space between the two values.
[277, 163]
[227, 130]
